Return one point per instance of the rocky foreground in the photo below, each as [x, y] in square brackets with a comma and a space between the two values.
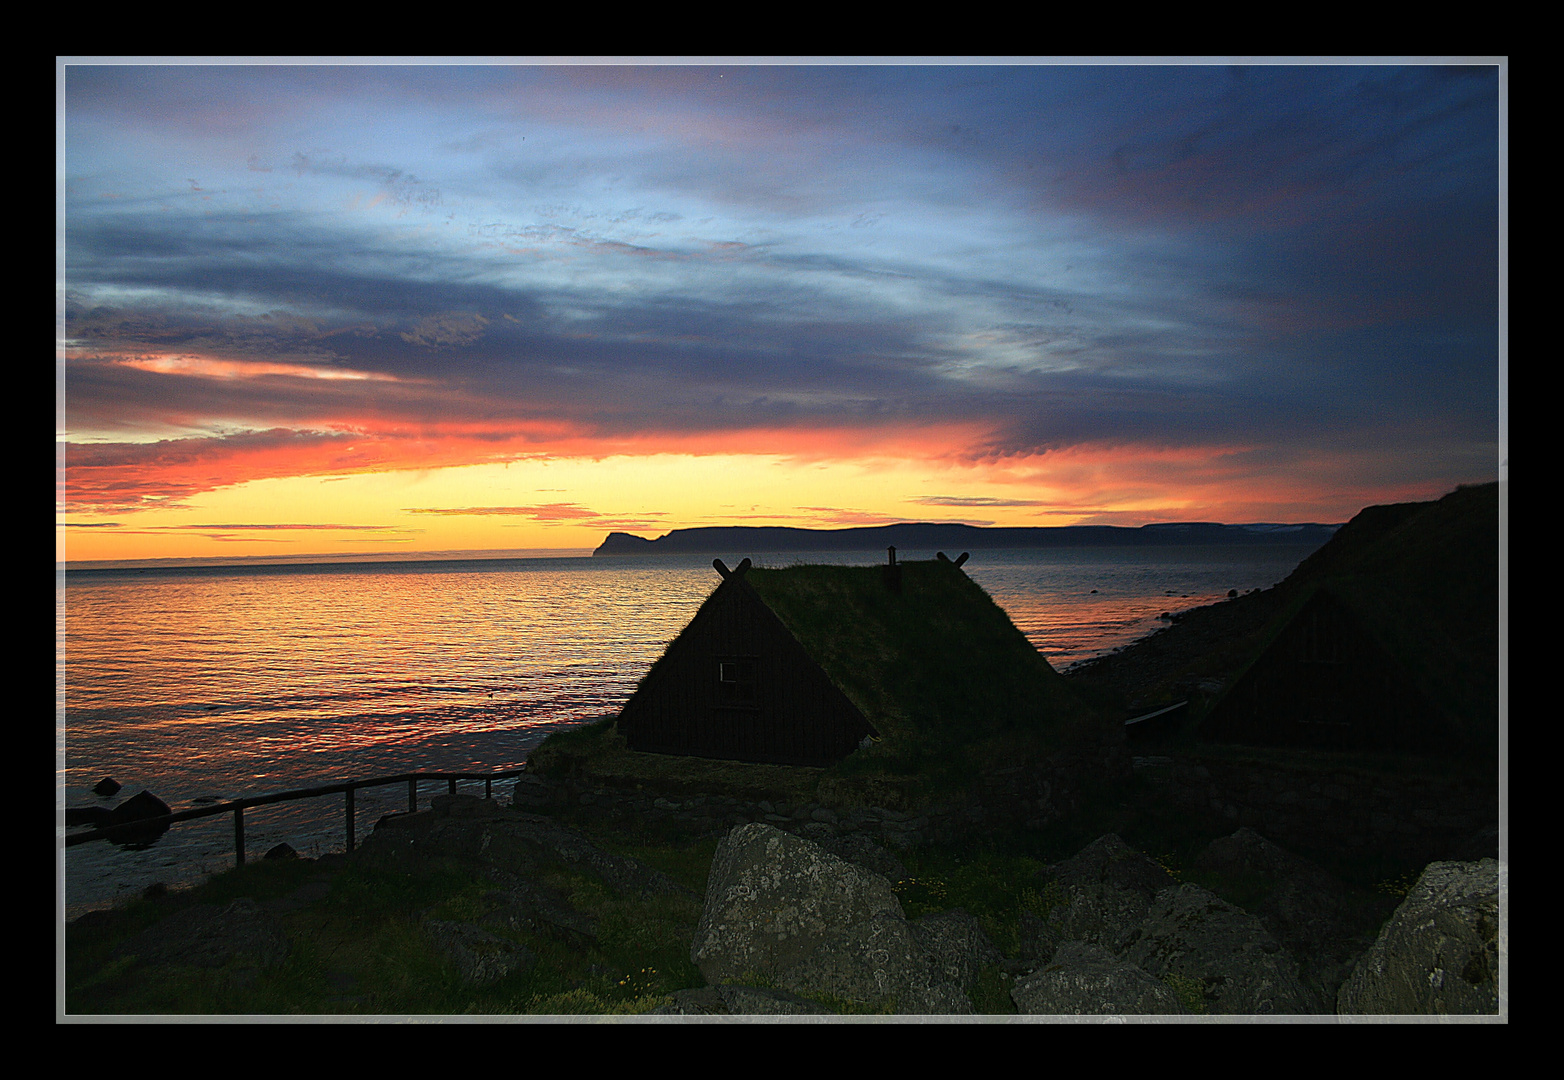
[788, 927]
[1110, 931]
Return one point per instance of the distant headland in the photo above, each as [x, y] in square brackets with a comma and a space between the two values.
[921, 535]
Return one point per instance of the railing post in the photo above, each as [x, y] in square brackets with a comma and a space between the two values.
[349, 788]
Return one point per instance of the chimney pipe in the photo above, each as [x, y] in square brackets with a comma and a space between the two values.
[892, 573]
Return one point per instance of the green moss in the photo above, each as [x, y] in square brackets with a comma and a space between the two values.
[1040, 902]
[935, 666]
[991, 885]
[1191, 992]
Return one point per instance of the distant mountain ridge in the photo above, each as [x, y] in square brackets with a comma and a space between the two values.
[913, 535]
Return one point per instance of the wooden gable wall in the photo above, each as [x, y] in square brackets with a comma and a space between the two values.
[737, 685]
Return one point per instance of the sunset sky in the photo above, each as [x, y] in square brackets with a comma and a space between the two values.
[406, 308]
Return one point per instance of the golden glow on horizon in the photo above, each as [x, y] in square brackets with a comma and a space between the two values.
[107, 476]
[573, 502]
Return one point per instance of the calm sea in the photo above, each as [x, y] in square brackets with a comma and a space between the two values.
[209, 684]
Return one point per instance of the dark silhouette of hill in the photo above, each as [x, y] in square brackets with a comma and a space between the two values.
[752, 540]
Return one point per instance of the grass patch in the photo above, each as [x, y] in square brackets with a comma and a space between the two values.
[1041, 902]
[991, 995]
[687, 860]
[581, 1002]
[361, 947]
[991, 885]
[1397, 885]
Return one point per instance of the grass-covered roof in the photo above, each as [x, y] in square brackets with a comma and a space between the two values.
[1429, 589]
[933, 666]
[1424, 579]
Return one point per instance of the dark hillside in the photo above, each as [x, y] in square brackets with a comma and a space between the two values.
[952, 536]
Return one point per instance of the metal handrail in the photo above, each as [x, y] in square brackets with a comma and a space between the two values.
[237, 807]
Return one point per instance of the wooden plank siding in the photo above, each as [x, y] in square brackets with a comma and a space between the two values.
[790, 713]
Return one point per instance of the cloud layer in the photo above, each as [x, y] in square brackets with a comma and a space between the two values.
[283, 271]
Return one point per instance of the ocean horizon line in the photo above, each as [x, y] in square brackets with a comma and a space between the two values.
[1274, 531]
[321, 559]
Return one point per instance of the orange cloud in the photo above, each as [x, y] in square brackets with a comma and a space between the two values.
[106, 476]
[1134, 485]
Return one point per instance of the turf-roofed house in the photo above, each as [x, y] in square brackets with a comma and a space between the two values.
[1390, 643]
[805, 665]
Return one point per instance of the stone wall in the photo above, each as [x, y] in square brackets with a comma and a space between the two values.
[1026, 797]
[1352, 811]
[712, 814]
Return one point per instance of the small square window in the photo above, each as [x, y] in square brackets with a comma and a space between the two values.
[736, 680]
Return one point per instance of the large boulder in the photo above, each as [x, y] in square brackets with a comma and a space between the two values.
[1085, 979]
[781, 910]
[772, 899]
[881, 963]
[1100, 895]
[857, 848]
[139, 808]
[87, 815]
[1325, 924]
[142, 807]
[956, 942]
[1194, 937]
[1441, 950]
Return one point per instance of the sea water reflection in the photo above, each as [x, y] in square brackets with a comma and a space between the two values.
[213, 684]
